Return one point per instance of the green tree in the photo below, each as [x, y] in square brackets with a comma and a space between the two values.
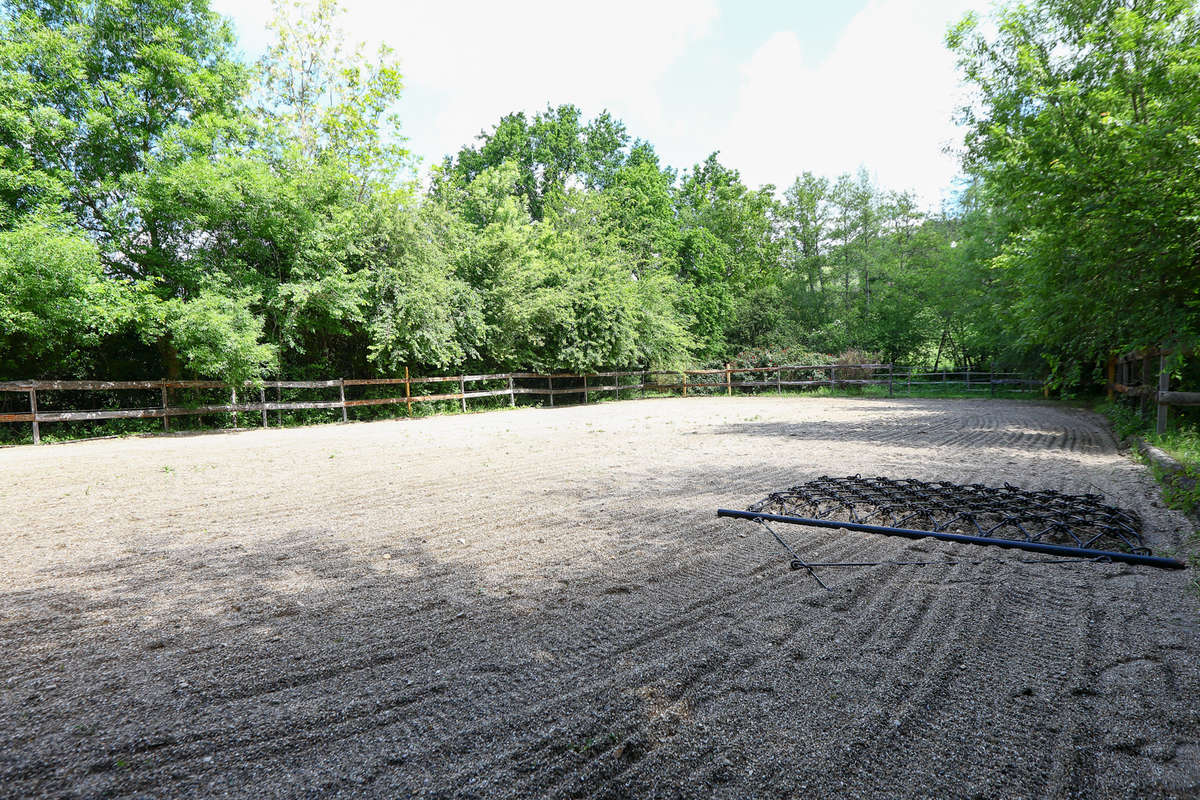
[330, 101]
[422, 313]
[1084, 138]
[550, 151]
[92, 96]
[88, 93]
[299, 212]
[639, 210]
[56, 306]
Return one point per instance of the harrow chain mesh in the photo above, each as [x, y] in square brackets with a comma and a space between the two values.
[1006, 512]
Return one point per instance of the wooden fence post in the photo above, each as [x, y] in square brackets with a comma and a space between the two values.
[1145, 382]
[279, 399]
[262, 400]
[462, 390]
[585, 391]
[728, 380]
[233, 402]
[512, 392]
[683, 377]
[617, 386]
[832, 378]
[550, 388]
[1164, 385]
[342, 397]
[891, 374]
[779, 380]
[37, 434]
[166, 419]
[407, 393]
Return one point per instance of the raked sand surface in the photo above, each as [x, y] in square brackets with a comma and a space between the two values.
[542, 603]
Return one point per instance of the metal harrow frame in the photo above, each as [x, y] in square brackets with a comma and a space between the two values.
[1046, 522]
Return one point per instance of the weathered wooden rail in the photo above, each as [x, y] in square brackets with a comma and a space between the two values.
[1134, 376]
[254, 399]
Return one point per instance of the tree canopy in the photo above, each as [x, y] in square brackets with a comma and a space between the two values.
[166, 209]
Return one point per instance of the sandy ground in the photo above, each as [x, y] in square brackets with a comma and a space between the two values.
[541, 603]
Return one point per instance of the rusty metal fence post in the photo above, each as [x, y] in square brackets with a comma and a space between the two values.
[407, 393]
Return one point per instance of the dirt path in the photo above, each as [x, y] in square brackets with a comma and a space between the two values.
[541, 603]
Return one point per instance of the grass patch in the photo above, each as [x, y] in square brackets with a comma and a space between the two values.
[1181, 490]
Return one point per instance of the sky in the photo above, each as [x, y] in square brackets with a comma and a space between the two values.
[777, 86]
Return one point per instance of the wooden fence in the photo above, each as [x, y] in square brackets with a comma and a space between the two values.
[1143, 376]
[254, 399]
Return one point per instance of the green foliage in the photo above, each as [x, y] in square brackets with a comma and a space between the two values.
[164, 209]
[56, 306]
[88, 92]
[215, 333]
[639, 212]
[772, 356]
[704, 272]
[549, 151]
[1084, 142]
[1125, 420]
[329, 102]
[422, 312]
[1181, 489]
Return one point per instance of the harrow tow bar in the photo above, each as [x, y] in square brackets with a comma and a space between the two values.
[1035, 547]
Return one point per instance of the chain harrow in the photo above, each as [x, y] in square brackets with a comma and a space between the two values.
[1047, 516]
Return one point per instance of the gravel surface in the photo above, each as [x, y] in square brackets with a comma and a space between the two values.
[542, 603]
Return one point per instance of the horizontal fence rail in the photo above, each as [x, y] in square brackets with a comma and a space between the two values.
[581, 386]
[1134, 376]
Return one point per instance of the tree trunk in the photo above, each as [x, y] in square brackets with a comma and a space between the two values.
[937, 360]
[170, 358]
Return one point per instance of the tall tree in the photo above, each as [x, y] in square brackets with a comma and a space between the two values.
[88, 94]
[552, 151]
[1083, 134]
[328, 99]
[92, 97]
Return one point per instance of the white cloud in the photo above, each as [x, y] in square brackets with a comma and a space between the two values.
[470, 63]
[491, 58]
[883, 98]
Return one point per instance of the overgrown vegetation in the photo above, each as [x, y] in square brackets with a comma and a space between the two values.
[166, 210]
[1181, 489]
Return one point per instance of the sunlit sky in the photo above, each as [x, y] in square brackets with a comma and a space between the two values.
[777, 87]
